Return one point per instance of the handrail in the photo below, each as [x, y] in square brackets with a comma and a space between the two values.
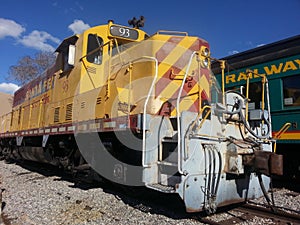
[265, 89]
[201, 123]
[247, 96]
[222, 67]
[282, 130]
[178, 112]
[130, 64]
[198, 116]
[170, 32]
[95, 50]
[145, 108]
[268, 102]
[205, 117]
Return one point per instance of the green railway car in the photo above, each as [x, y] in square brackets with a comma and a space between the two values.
[280, 62]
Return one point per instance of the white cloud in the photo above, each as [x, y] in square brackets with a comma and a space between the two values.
[10, 28]
[39, 40]
[260, 45]
[36, 39]
[9, 88]
[78, 26]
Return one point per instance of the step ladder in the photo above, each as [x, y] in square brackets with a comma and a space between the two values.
[167, 163]
[166, 169]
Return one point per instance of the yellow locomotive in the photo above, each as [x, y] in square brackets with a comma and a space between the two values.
[143, 110]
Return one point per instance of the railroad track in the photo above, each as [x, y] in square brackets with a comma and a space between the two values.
[246, 212]
[153, 202]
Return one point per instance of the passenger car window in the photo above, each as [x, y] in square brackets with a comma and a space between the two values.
[291, 91]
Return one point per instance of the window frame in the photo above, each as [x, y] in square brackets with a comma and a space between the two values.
[97, 56]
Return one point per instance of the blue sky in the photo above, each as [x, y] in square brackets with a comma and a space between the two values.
[230, 26]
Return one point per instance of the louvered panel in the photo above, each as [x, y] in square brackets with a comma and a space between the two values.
[56, 115]
[69, 112]
[98, 100]
[91, 69]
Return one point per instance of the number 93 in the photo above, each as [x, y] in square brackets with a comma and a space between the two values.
[124, 32]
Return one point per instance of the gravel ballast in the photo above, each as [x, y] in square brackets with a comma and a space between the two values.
[32, 198]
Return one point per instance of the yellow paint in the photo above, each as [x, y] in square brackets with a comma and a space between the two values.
[290, 136]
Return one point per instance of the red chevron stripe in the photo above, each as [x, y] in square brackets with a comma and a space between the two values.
[195, 107]
[186, 88]
[206, 73]
[166, 79]
[161, 54]
[164, 51]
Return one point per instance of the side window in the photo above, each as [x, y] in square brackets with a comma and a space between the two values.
[66, 54]
[66, 65]
[255, 95]
[94, 52]
[291, 91]
[64, 58]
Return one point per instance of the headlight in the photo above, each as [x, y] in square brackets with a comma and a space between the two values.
[205, 62]
[205, 52]
[205, 57]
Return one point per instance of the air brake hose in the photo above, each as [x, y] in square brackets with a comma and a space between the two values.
[219, 173]
[270, 203]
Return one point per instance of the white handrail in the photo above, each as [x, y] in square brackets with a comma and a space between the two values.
[145, 110]
[178, 114]
[146, 102]
[268, 102]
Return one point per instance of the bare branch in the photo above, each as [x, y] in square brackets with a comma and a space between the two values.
[29, 68]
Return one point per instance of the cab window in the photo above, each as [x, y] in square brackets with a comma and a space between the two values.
[94, 51]
[121, 46]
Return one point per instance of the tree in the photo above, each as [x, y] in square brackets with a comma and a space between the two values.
[29, 68]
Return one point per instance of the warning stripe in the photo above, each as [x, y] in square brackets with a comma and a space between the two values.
[190, 103]
[169, 45]
[195, 106]
[174, 57]
[169, 53]
[188, 99]
[204, 81]
[288, 135]
[205, 94]
[190, 89]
